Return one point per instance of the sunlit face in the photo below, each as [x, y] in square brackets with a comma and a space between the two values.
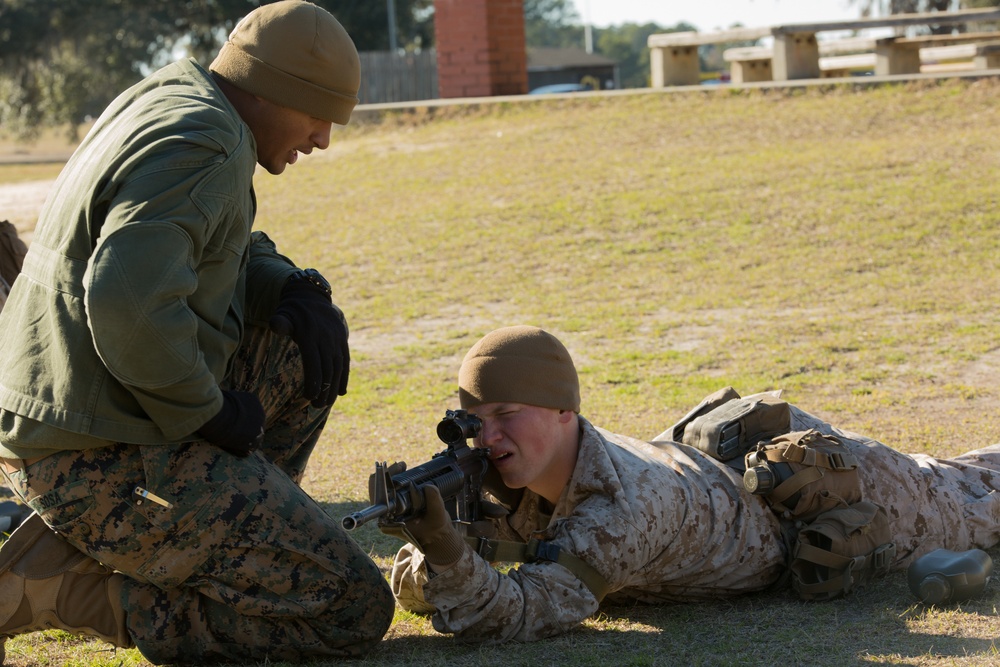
[530, 446]
[282, 133]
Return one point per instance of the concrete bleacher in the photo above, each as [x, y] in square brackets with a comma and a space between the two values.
[987, 56]
[753, 63]
[886, 56]
[796, 52]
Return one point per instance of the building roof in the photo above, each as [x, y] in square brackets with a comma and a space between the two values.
[543, 58]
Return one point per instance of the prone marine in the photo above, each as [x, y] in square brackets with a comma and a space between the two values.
[599, 516]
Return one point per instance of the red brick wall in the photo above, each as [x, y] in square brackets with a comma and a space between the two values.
[480, 47]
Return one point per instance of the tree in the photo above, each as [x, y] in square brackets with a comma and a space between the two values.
[873, 7]
[367, 22]
[556, 24]
[870, 7]
[553, 12]
[62, 60]
[552, 23]
[627, 44]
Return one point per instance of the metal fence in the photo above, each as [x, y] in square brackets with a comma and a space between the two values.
[390, 77]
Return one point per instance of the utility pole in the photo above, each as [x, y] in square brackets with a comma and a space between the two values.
[391, 10]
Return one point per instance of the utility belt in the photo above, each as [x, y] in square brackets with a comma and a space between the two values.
[838, 540]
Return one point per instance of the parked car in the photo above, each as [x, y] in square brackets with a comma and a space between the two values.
[560, 88]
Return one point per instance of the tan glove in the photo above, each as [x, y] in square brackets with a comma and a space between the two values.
[486, 527]
[432, 532]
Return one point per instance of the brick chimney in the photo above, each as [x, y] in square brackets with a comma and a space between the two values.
[480, 48]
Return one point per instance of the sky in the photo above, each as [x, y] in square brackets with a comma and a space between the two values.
[709, 15]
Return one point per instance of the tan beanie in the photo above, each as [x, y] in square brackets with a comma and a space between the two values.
[296, 55]
[519, 364]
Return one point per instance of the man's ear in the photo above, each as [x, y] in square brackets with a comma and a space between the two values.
[565, 416]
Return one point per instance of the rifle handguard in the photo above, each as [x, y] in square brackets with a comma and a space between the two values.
[396, 493]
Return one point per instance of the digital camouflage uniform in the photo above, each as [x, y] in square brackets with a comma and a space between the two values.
[666, 523]
[245, 565]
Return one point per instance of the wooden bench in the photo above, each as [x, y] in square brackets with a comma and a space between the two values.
[795, 55]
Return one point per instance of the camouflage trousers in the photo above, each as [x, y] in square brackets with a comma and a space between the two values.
[240, 564]
[931, 502]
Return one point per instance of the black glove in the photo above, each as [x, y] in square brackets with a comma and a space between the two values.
[238, 427]
[307, 314]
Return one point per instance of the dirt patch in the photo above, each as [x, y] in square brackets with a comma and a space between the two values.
[51, 145]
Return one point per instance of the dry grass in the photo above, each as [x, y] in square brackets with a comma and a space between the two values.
[838, 243]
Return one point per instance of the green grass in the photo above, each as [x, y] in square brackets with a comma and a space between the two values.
[838, 243]
[19, 173]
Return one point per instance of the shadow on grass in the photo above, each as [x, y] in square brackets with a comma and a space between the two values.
[769, 629]
[879, 624]
[368, 535]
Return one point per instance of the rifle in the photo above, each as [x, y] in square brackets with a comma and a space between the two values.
[396, 493]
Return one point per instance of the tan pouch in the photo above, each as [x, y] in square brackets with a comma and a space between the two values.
[841, 549]
[725, 426]
[676, 432]
[803, 474]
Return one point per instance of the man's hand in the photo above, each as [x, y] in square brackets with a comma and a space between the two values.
[307, 314]
[432, 532]
[238, 427]
[485, 527]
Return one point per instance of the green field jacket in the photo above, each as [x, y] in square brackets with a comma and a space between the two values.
[141, 276]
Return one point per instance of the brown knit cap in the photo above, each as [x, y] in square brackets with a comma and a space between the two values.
[519, 364]
[296, 55]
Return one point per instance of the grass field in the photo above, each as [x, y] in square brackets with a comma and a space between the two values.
[838, 243]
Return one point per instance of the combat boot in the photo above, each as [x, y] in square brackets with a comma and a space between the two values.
[45, 582]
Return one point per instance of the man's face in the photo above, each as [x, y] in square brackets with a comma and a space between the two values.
[527, 445]
[282, 133]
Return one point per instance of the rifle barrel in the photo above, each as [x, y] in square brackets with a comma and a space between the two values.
[352, 521]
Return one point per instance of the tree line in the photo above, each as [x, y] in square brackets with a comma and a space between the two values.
[64, 60]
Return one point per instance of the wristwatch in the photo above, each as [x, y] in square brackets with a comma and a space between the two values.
[313, 277]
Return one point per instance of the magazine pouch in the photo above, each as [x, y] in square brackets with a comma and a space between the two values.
[725, 426]
[841, 549]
